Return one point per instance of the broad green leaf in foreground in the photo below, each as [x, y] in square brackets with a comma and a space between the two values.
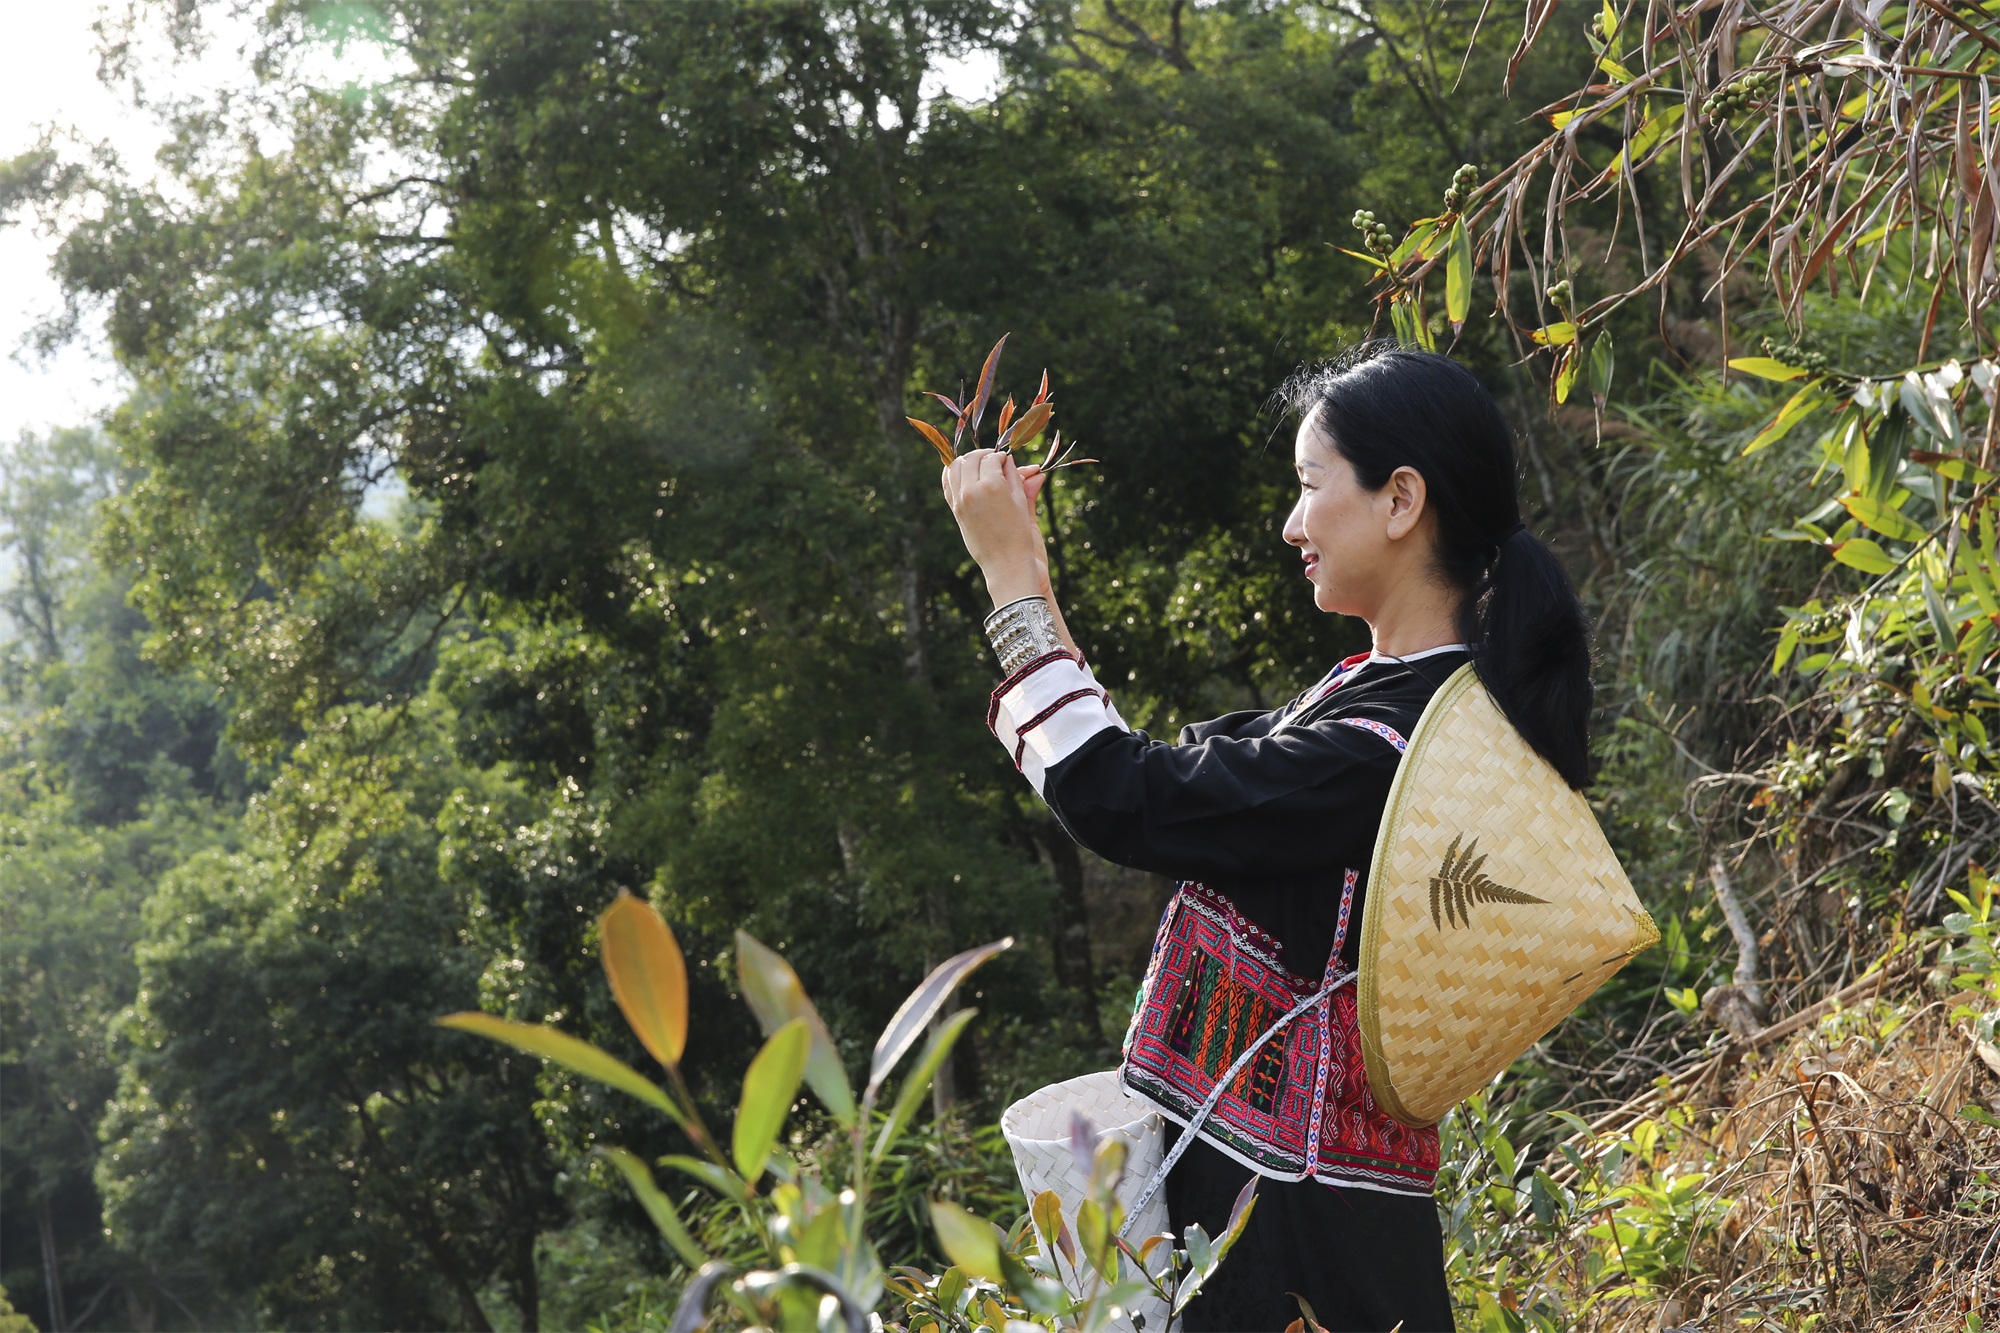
[969, 1242]
[657, 1206]
[774, 993]
[570, 1053]
[768, 1088]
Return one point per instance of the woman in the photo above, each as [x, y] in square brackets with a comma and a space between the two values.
[1408, 517]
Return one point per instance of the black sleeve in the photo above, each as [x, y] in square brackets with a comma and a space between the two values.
[1243, 725]
[1297, 799]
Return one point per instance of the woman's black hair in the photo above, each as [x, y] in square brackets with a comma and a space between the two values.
[1383, 407]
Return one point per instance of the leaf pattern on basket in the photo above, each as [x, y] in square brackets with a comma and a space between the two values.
[1460, 882]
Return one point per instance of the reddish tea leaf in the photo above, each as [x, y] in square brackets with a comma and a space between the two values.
[936, 437]
[949, 405]
[1032, 423]
[977, 411]
[1006, 415]
[1042, 394]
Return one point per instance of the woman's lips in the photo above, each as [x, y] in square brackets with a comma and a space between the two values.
[1312, 563]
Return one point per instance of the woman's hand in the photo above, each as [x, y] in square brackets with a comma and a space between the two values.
[994, 503]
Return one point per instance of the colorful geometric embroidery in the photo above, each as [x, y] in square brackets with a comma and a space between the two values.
[1387, 733]
[1302, 1107]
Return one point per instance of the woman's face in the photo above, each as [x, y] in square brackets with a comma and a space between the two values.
[1353, 540]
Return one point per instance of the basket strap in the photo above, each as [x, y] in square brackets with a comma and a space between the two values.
[1324, 993]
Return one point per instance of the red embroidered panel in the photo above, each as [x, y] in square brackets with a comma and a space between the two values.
[1215, 983]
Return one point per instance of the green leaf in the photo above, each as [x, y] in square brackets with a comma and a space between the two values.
[774, 993]
[1602, 364]
[570, 1053]
[910, 1096]
[1884, 518]
[1801, 405]
[1651, 131]
[1764, 367]
[1412, 244]
[1093, 1232]
[1458, 276]
[1618, 72]
[1370, 260]
[922, 1005]
[657, 1206]
[1555, 335]
[1864, 555]
[1048, 1216]
[768, 1088]
[1607, 24]
[1568, 363]
[1940, 618]
[648, 975]
[969, 1242]
[723, 1181]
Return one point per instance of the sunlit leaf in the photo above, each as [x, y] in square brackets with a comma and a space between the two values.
[1555, 335]
[1568, 363]
[922, 1005]
[1006, 415]
[1370, 260]
[1766, 368]
[969, 1242]
[1864, 555]
[1048, 1216]
[1032, 423]
[648, 975]
[1955, 466]
[1884, 519]
[949, 405]
[567, 1051]
[1042, 394]
[912, 1092]
[1801, 405]
[1413, 244]
[657, 1206]
[769, 1086]
[1617, 71]
[1649, 135]
[936, 437]
[1458, 276]
[1560, 119]
[774, 993]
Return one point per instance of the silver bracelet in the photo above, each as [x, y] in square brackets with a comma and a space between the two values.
[1022, 631]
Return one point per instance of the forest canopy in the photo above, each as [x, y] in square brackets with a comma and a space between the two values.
[515, 504]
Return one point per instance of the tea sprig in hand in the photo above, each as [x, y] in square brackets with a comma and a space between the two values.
[1013, 432]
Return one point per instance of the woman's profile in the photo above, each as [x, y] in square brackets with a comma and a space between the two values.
[1408, 518]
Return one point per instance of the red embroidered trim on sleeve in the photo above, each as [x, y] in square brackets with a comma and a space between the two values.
[1000, 690]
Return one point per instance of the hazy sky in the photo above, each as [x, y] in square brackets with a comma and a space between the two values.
[48, 81]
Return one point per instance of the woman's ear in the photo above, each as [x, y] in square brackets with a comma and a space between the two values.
[1407, 499]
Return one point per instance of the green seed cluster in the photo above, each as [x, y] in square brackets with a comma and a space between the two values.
[1794, 354]
[1560, 295]
[1738, 96]
[1374, 236]
[1462, 182]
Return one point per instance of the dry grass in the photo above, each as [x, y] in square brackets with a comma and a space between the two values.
[1858, 1195]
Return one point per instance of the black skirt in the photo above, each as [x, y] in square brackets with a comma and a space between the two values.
[1363, 1259]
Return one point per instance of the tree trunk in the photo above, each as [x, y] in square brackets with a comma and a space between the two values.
[51, 1265]
[1071, 939]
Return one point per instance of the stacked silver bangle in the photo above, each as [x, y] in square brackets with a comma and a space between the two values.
[1022, 631]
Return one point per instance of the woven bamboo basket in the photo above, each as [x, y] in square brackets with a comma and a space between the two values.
[1037, 1130]
[1495, 907]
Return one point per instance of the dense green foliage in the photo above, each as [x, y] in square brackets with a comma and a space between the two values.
[514, 505]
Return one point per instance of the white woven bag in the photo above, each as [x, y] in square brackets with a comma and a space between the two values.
[1037, 1130]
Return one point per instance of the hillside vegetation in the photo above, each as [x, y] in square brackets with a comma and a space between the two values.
[515, 503]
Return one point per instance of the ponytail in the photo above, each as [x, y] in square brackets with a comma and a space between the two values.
[1385, 407]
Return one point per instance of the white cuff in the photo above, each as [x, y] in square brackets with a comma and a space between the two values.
[1044, 712]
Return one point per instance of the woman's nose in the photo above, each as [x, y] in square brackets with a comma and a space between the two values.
[1295, 524]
